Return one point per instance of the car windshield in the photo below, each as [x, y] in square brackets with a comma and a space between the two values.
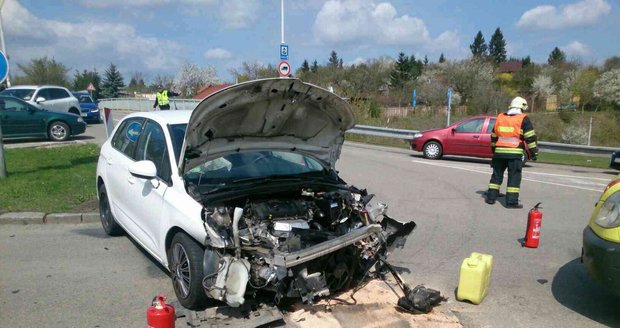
[84, 99]
[25, 94]
[250, 165]
[177, 132]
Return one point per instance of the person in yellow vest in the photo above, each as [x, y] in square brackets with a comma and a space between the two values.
[162, 98]
[513, 139]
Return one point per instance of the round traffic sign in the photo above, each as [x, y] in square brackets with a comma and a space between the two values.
[4, 67]
[284, 69]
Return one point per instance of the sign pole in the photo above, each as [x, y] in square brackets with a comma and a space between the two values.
[282, 19]
[449, 103]
[8, 82]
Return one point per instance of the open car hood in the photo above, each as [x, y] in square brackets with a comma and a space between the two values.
[272, 114]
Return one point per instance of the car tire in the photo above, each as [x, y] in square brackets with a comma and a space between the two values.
[432, 150]
[111, 227]
[58, 131]
[185, 261]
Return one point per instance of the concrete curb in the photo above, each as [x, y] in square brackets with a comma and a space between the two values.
[48, 218]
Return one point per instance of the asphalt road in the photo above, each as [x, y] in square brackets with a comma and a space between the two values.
[74, 275]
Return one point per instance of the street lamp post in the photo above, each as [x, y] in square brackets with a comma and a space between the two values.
[8, 84]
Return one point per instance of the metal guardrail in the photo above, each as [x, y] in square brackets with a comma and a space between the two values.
[142, 104]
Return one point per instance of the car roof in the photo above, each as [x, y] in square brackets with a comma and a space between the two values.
[34, 87]
[165, 117]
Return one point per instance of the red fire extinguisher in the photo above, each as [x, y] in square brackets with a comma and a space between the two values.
[160, 314]
[532, 232]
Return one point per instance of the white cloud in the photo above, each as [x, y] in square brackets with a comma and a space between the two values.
[581, 13]
[357, 61]
[576, 48]
[232, 14]
[217, 53]
[237, 14]
[363, 23]
[139, 3]
[82, 45]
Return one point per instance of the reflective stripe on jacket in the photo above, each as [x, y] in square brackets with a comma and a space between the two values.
[508, 131]
[162, 98]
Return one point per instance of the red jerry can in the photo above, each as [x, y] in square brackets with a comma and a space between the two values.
[160, 314]
[532, 232]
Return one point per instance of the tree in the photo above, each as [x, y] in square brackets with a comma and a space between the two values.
[425, 61]
[112, 82]
[191, 77]
[542, 87]
[442, 59]
[471, 79]
[556, 57]
[305, 67]
[607, 87]
[526, 61]
[136, 84]
[334, 61]
[254, 70]
[583, 85]
[83, 79]
[611, 63]
[315, 67]
[497, 47]
[44, 71]
[405, 69]
[478, 47]
[163, 80]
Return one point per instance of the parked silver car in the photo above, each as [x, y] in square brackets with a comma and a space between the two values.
[52, 98]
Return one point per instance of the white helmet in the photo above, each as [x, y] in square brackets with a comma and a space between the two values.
[519, 103]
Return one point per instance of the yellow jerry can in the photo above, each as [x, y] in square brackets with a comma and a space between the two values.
[475, 278]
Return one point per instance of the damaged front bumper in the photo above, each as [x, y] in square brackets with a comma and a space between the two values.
[312, 272]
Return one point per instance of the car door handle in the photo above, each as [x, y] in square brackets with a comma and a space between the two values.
[131, 179]
[476, 137]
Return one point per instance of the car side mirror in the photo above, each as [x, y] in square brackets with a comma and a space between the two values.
[453, 130]
[143, 170]
[39, 100]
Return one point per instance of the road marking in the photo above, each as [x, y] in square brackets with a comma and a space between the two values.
[487, 172]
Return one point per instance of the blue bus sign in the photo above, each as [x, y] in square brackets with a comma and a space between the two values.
[284, 52]
[4, 67]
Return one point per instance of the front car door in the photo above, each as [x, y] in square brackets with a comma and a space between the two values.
[148, 195]
[21, 119]
[465, 137]
[485, 139]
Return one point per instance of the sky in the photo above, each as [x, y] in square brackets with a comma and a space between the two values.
[154, 37]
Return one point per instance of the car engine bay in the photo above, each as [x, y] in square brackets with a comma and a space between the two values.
[303, 243]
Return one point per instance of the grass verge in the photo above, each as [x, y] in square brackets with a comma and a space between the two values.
[49, 180]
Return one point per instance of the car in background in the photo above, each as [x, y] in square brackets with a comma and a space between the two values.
[89, 108]
[53, 98]
[615, 160]
[469, 137]
[601, 239]
[22, 119]
[242, 193]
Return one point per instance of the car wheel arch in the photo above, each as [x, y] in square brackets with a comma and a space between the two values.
[74, 111]
[50, 123]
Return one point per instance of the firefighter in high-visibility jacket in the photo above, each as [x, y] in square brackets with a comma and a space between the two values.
[513, 139]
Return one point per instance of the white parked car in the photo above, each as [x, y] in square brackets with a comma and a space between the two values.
[50, 97]
[242, 194]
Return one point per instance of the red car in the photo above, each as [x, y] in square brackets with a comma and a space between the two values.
[469, 137]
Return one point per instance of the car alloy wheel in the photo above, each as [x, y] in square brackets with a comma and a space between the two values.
[59, 131]
[432, 150]
[105, 214]
[181, 275]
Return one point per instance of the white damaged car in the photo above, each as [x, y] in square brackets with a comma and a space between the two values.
[241, 194]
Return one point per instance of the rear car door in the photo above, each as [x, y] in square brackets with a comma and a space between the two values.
[465, 137]
[147, 209]
[485, 138]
